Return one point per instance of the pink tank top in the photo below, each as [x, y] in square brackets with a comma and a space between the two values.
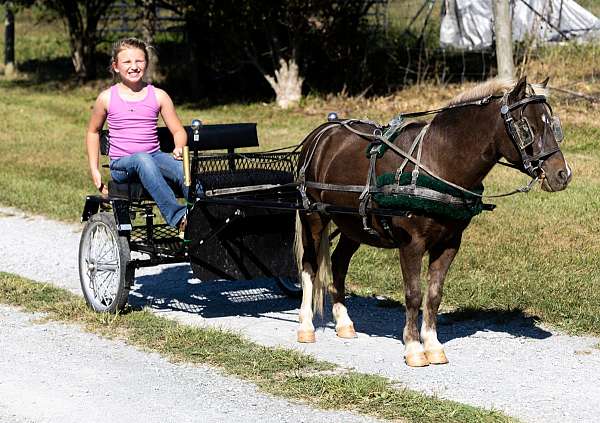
[132, 124]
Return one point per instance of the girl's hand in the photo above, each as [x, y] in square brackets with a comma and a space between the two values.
[178, 153]
[97, 178]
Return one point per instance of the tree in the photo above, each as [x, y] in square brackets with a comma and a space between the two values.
[503, 29]
[9, 32]
[81, 18]
[9, 41]
[286, 27]
[149, 19]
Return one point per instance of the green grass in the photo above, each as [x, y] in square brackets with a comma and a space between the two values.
[275, 370]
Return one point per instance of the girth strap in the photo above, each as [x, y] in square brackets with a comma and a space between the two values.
[365, 196]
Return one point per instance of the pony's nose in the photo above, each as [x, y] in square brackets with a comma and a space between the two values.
[564, 176]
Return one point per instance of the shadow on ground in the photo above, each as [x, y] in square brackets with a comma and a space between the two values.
[176, 289]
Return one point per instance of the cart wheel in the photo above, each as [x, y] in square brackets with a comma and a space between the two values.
[103, 264]
[290, 287]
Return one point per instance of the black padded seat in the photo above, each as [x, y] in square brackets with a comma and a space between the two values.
[135, 191]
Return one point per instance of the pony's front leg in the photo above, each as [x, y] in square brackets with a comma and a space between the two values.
[440, 259]
[410, 260]
[340, 260]
[306, 332]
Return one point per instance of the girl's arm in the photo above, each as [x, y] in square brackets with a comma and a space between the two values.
[167, 111]
[92, 138]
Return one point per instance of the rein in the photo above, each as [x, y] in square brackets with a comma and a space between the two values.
[416, 162]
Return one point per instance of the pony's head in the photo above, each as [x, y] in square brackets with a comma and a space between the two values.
[533, 135]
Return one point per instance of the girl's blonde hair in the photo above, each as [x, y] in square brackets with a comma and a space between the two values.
[123, 44]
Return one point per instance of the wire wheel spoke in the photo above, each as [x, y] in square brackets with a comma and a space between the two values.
[108, 266]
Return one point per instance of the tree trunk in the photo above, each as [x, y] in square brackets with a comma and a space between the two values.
[9, 41]
[287, 84]
[148, 32]
[504, 47]
[78, 57]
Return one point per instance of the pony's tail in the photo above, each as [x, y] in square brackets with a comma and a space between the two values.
[298, 245]
[323, 276]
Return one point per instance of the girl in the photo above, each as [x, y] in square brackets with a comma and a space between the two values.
[132, 107]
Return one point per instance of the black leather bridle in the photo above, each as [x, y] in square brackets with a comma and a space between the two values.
[522, 136]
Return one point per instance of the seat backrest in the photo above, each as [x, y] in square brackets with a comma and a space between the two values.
[210, 137]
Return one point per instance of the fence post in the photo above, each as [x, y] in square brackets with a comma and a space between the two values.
[9, 41]
[504, 47]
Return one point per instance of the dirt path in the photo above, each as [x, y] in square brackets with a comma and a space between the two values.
[66, 375]
[505, 362]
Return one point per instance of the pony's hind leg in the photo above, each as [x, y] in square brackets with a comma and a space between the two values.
[440, 259]
[306, 332]
[410, 260]
[310, 229]
[340, 260]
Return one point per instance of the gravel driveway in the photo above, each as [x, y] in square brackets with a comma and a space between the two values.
[504, 362]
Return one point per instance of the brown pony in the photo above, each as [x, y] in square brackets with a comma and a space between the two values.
[462, 144]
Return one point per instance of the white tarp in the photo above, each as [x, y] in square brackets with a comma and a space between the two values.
[469, 24]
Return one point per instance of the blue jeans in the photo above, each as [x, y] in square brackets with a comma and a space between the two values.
[154, 170]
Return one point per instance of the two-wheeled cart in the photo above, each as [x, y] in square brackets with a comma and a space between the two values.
[241, 214]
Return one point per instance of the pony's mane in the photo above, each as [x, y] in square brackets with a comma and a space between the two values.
[485, 89]
[495, 86]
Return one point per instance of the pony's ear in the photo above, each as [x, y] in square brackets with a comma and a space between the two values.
[519, 91]
[544, 83]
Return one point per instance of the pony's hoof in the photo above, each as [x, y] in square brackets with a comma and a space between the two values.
[306, 336]
[346, 332]
[417, 359]
[436, 357]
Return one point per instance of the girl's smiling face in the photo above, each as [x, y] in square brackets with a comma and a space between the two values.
[130, 65]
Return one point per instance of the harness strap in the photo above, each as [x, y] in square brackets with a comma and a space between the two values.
[365, 195]
[418, 140]
[334, 187]
[302, 171]
[480, 102]
[405, 161]
[423, 192]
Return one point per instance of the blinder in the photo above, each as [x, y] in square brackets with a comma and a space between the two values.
[557, 130]
[523, 133]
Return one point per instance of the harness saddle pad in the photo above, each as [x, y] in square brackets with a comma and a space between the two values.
[429, 196]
